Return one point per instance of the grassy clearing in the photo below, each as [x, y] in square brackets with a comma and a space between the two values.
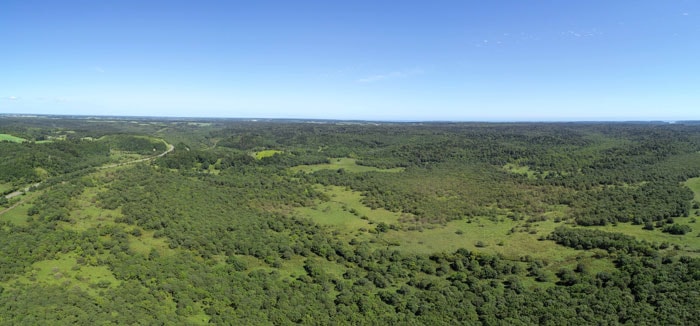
[482, 235]
[346, 213]
[6, 187]
[122, 156]
[85, 214]
[350, 219]
[17, 215]
[694, 185]
[689, 243]
[10, 138]
[67, 272]
[348, 164]
[524, 170]
[266, 153]
[41, 172]
[144, 243]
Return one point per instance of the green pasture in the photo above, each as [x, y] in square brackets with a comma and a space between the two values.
[123, 156]
[517, 169]
[345, 211]
[144, 243]
[688, 243]
[350, 219]
[512, 239]
[694, 185]
[10, 138]
[66, 271]
[6, 187]
[266, 153]
[17, 215]
[85, 214]
[348, 164]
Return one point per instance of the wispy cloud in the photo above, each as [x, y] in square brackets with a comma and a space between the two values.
[99, 70]
[390, 75]
[579, 34]
[11, 98]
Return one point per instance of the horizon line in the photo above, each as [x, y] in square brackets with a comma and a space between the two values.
[253, 119]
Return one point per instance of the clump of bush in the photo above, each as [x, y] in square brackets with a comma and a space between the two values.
[677, 229]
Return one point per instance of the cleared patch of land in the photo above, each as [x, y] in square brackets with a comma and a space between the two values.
[515, 240]
[517, 169]
[694, 185]
[348, 164]
[17, 215]
[86, 215]
[346, 212]
[14, 139]
[688, 244]
[6, 187]
[266, 153]
[65, 270]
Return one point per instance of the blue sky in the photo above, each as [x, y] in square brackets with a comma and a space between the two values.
[399, 60]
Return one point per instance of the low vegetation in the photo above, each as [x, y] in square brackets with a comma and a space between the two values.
[10, 138]
[324, 223]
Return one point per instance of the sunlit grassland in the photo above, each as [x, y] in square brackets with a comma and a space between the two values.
[694, 185]
[266, 153]
[123, 156]
[10, 138]
[483, 235]
[86, 214]
[346, 212]
[348, 164]
[18, 215]
[689, 243]
[6, 187]
[146, 242]
[517, 169]
[350, 219]
[41, 172]
[66, 271]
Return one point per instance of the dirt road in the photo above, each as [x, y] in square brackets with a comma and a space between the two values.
[25, 190]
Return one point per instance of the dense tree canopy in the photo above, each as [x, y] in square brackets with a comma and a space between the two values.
[237, 224]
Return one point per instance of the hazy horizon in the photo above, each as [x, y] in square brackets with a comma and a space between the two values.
[208, 118]
[497, 61]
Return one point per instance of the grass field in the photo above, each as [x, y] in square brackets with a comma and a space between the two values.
[266, 153]
[144, 243]
[348, 164]
[7, 137]
[524, 170]
[6, 187]
[694, 185]
[17, 215]
[86, 215]
[350, 219]
[346, 213]
[689, 243]
[67, 272]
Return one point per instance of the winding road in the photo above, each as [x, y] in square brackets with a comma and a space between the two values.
[113, 165]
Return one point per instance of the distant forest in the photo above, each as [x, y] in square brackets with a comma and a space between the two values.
[280, 222]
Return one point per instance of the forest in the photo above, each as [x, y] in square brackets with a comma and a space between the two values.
[121, 220]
